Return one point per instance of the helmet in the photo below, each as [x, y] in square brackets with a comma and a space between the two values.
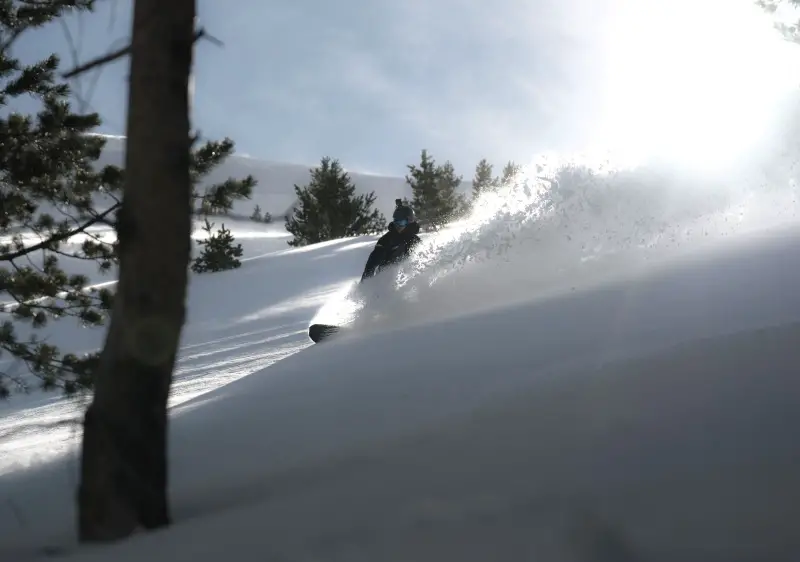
[403, 215]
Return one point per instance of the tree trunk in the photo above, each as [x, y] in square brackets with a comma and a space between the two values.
[124, 459]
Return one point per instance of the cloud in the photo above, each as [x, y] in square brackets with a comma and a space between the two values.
[466, 80]
[374, 82]
[494, 76]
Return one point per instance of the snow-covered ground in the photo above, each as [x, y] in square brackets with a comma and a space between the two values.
[613, 381]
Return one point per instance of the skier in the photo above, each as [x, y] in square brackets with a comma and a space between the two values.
[397, 243]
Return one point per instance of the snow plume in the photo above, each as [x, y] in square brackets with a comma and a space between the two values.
[559, 214]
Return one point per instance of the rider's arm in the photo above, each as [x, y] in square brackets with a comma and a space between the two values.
[375, 257]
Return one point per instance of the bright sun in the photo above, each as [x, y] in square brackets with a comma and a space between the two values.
[693, 80]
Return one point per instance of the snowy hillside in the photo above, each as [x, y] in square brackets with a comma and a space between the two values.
[275, 190]
[602, 372]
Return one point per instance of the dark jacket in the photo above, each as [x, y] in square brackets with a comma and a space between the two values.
[392, 247]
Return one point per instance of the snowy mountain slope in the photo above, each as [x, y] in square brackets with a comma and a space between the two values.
[226, 331]
[275, 189]
[614, 372]
[682, 455]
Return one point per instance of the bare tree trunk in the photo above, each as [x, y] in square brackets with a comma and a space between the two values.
[124, 463]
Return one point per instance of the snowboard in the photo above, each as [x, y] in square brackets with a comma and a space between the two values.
[319, 332]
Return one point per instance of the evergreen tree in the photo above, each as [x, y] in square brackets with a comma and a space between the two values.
[48, 188]
[123, 478]
[422, 179]
[52, 189]
[452, 204]
[510, 171]
[328, 208]
[483, 180]
[219, 251]
[267, 218]
[257, 216]
[434, 189]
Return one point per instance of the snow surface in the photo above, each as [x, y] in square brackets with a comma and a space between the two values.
[613, 377]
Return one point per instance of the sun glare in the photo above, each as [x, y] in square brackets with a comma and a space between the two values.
[695, 81]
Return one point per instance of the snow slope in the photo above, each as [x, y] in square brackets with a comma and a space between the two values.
[276, 180]
[602, 372]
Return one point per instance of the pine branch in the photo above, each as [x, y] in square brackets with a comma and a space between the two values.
[45, 244]
[119, 53]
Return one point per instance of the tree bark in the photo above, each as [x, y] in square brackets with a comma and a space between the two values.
[124, 459]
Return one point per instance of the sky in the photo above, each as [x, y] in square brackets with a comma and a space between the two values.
[373, 82]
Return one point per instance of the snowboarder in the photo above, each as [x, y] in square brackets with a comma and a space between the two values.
[392, 247]
[397, 243]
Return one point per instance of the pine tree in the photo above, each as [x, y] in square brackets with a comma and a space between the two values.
[422, 179]
[257, 216]
[267, 218]
[328, 208]
[510, 171]
[452, 204]
[483, 180]
[123, 482]
[219, 251]
[53, 189]
[49, 188]
[434, 189]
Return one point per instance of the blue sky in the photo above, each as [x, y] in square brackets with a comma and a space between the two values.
[371, 82]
